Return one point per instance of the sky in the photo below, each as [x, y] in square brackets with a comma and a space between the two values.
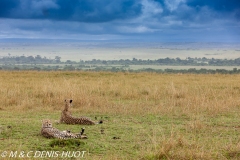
[132, 20]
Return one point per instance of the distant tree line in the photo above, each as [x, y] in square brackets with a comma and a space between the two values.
[46, 64]
[162, 61]
[116, 69]
[29, 60]
[169, 61]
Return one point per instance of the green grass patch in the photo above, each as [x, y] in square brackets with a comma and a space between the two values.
[127, 137]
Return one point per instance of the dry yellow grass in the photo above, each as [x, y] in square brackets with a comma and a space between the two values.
[175, 116]
[127, 93]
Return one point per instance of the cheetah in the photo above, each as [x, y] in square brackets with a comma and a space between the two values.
[49, 131]
[66, 116]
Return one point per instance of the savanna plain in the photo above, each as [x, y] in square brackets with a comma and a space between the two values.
[145, 116]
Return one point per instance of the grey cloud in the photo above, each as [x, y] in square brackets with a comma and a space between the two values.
[147, 18]
[74, 10]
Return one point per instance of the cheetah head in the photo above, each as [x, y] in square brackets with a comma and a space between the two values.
[68, 103]
[46, 123]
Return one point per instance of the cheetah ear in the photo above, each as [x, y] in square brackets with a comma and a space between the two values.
[70, 101]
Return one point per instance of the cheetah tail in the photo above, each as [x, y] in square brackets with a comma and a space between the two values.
[100, 122]
[82, 131]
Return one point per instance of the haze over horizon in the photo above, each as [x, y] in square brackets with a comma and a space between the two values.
[130, 20]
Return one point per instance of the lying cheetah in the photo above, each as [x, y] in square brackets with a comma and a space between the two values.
[49, 132]
[66, 116]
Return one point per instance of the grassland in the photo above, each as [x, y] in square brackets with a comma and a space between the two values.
[137, 67]
[146, 115]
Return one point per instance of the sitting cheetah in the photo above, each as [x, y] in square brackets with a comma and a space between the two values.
[66, 116]
[49, 132]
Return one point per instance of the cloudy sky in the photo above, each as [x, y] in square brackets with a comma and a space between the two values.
[148, 20]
